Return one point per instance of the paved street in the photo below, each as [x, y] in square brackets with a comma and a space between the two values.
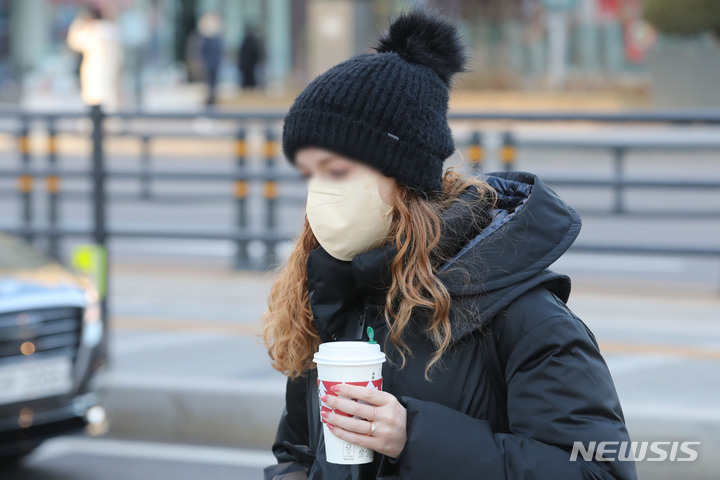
[78, 458]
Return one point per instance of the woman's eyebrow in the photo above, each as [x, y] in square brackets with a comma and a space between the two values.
[325, 159]
[320, 163]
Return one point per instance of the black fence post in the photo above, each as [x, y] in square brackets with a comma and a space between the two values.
[52, 185]
[99, 205]
[240, 191]
[508, 151]
[476, 153]
[619, 167]
[25, 179]
[146, 166]
[270, 193]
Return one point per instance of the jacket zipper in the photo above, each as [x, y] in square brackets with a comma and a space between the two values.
[361, 327]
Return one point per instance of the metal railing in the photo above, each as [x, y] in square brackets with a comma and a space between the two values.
[475, 144]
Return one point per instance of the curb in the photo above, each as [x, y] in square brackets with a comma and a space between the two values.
[242, 414]
[645, 426]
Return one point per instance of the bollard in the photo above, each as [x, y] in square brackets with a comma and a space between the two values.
[25, 180]
[270, 192]
[240, 191]
[145, 166]
[619, 162]
[508, 151]
[52, 185]
[99, 199]
[476, 153]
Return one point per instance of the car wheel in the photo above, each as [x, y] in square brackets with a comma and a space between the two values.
[12, 461]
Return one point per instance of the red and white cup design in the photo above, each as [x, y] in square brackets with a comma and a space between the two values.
[353, 363]
[325, 388]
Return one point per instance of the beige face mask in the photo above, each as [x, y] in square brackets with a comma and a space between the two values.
[348, 217]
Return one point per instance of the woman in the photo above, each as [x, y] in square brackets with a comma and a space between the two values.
[98, 39]
[490, 375]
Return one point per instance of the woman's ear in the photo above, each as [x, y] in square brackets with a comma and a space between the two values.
[388, 189]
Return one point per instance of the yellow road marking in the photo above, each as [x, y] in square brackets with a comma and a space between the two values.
[656, 349]
[193, 325]
[190, 325]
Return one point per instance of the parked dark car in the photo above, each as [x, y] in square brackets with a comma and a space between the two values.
[53, 344]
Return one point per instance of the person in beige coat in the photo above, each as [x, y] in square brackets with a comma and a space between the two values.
[98, 39]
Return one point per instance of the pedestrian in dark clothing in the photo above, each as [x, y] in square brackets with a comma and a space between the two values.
[211, 50]
[489, 374]
[249, 55]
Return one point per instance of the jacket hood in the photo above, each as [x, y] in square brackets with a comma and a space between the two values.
[530, 229]
[494, 257]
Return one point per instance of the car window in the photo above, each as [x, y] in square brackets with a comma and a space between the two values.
[16, 254]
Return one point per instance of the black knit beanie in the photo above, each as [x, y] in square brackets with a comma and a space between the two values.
[386, 109]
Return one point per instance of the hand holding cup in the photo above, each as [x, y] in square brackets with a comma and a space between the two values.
[344, 364]
[380, 409]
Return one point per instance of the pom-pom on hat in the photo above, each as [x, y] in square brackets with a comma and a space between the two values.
[387, 109]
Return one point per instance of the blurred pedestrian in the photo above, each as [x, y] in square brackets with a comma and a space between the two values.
[249, 55]
[211, 49]
[489, 374]
[193, 57]
[98, 41]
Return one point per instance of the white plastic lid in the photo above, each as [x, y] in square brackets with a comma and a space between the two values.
[349, 353]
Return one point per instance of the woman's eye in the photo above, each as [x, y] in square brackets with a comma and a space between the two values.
[338, 173]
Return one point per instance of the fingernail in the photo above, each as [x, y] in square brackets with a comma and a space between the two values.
[324, 414]
[324, 398]
[330, 427]
[335, 388]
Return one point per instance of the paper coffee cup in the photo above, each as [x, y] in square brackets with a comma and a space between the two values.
[354, 363]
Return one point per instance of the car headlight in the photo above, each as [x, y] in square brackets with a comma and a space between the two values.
[92, 319]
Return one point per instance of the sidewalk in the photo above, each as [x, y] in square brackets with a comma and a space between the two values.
[184, 96]
[187, 364]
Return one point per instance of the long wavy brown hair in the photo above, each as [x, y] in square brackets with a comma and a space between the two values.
[289, 332]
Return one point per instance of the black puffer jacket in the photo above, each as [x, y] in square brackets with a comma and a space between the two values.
[559, 389]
